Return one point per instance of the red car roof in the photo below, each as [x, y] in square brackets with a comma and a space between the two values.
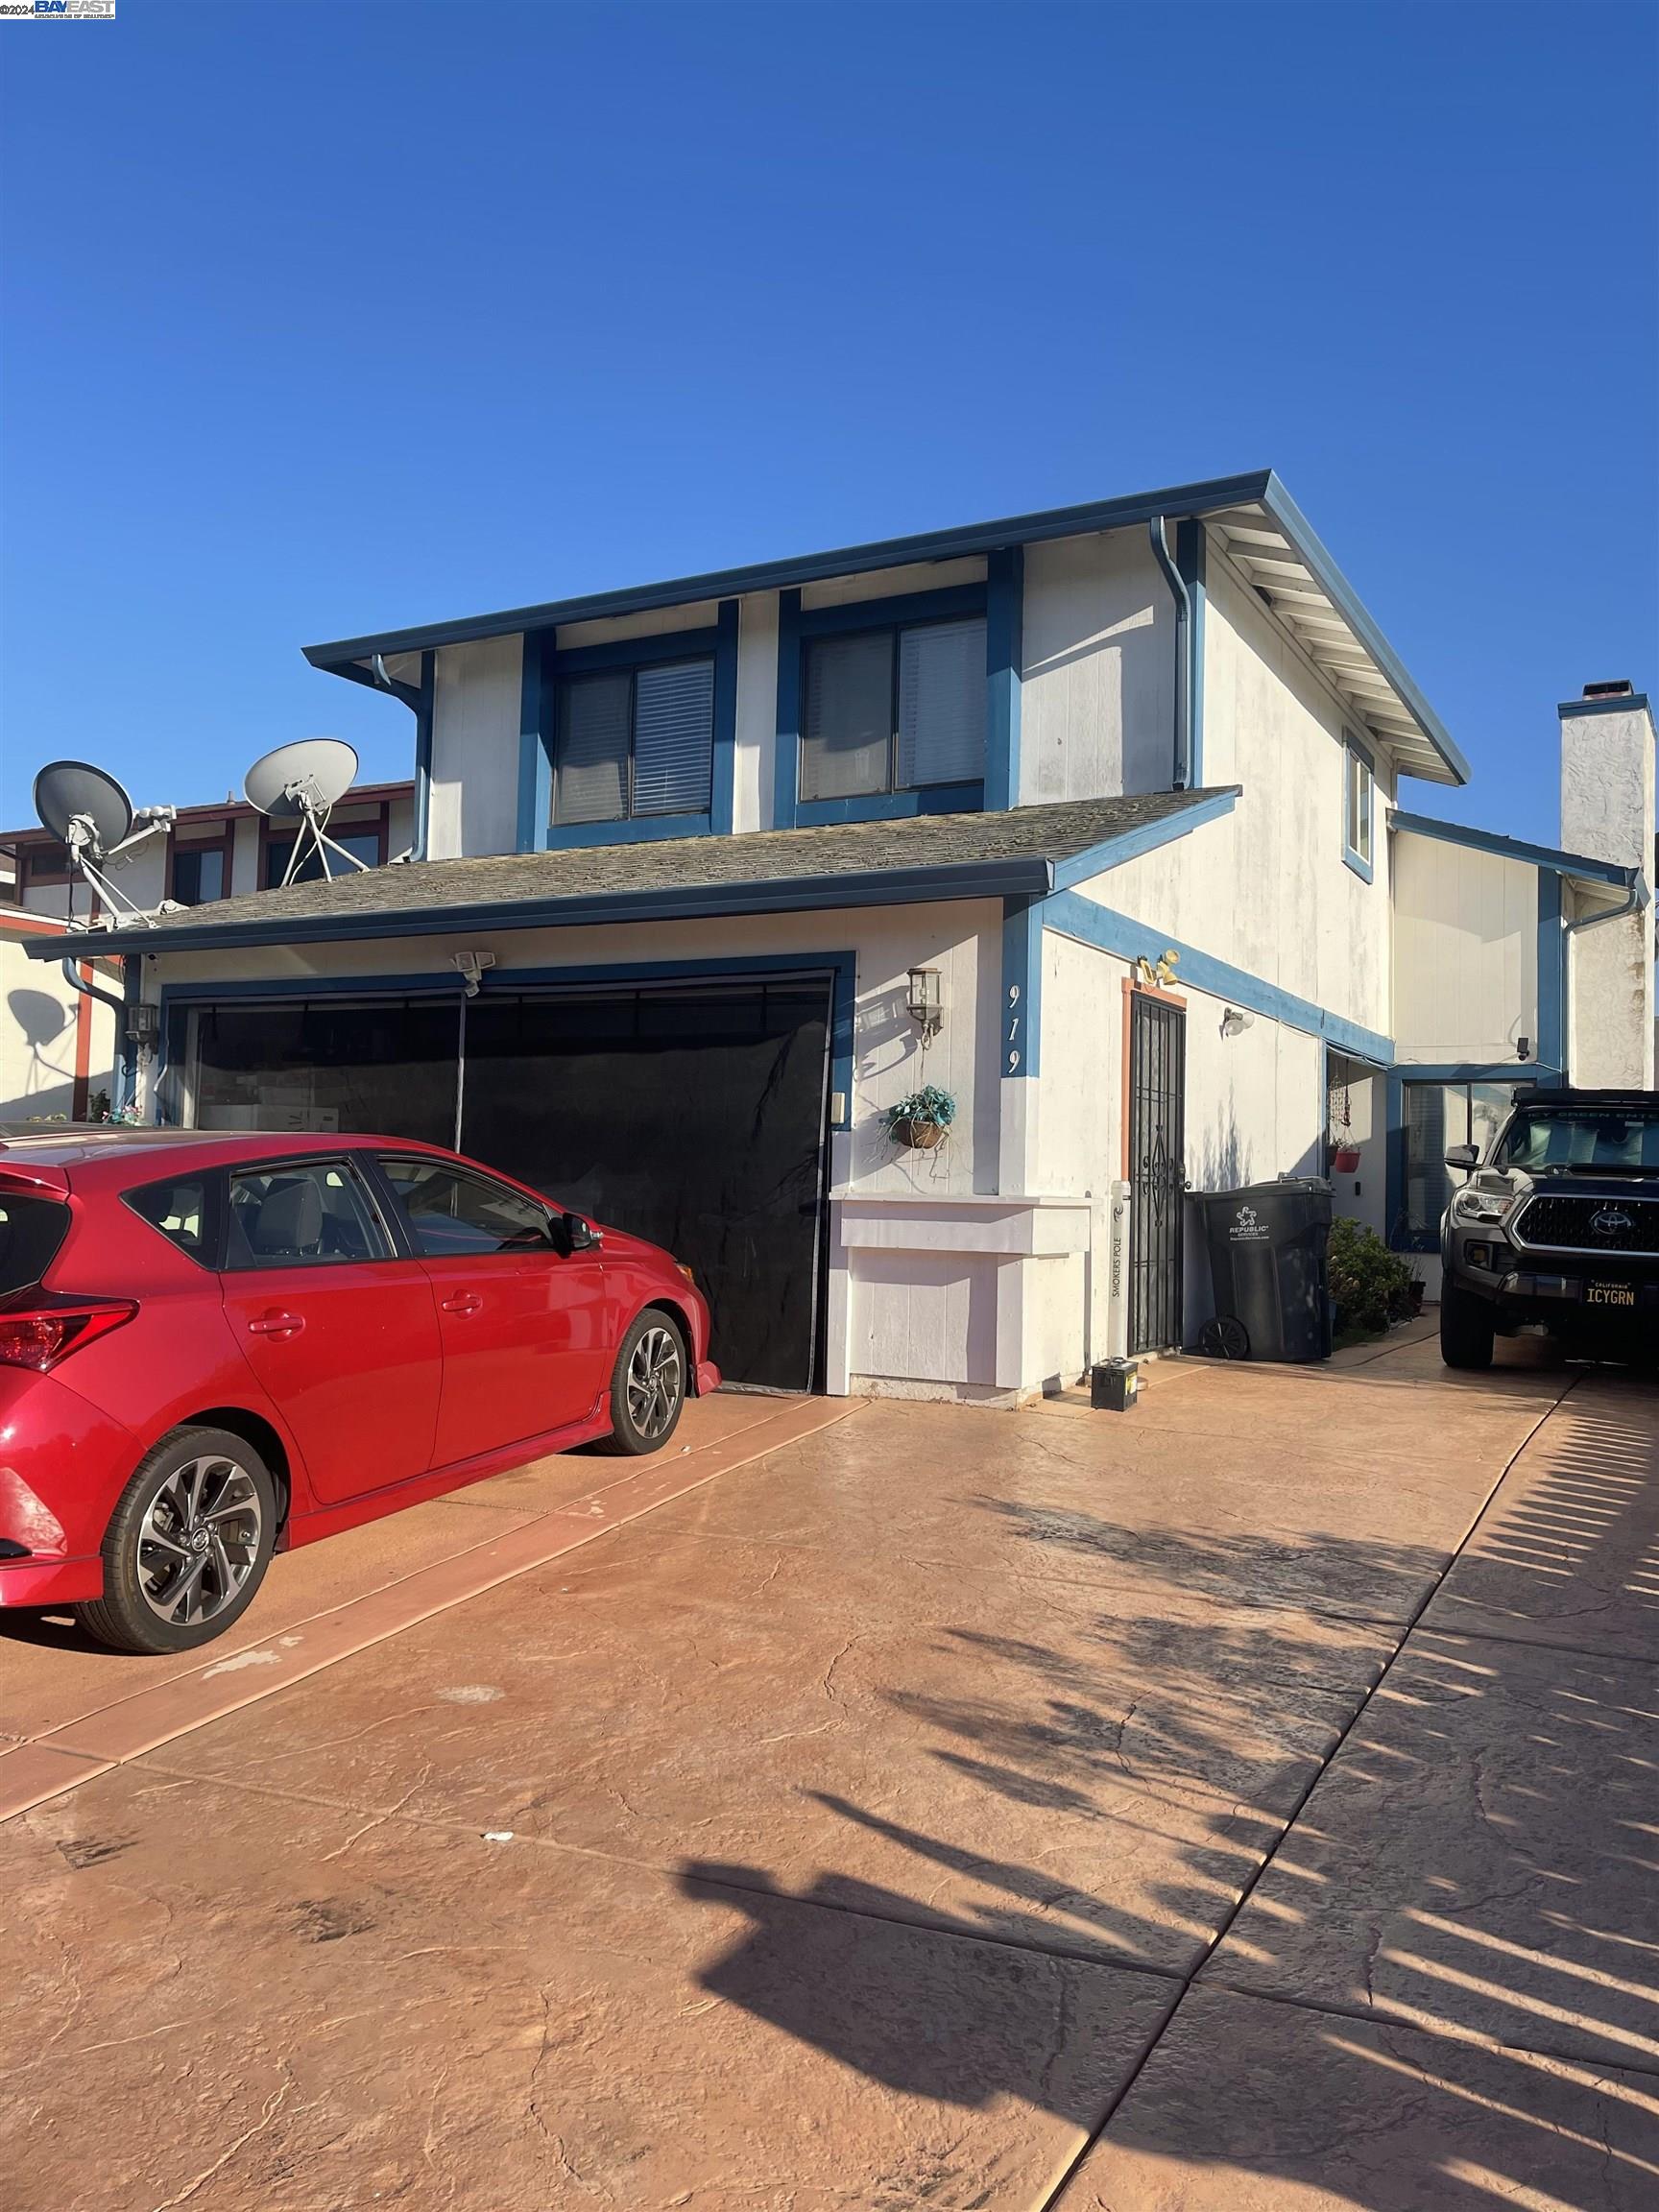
[119, 1142]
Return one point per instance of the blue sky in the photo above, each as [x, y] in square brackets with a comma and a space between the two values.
[323, 318]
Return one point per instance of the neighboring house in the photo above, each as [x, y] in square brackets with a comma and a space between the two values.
[206, 854]
[57, 1042]
[710, 874]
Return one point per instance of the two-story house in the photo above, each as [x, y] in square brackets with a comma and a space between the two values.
[1082, 817]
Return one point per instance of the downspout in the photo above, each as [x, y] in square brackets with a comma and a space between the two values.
[1157, 532]
[72, 977]
[419, 705]
[88, 991]
[1634, 901]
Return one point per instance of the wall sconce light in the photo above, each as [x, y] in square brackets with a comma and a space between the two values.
[144, 1024]
[1234, 1023]
[924, 1000]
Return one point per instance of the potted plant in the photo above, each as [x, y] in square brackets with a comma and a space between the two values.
[923, 1119]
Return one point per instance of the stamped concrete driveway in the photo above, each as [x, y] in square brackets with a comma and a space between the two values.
[1249, 1803]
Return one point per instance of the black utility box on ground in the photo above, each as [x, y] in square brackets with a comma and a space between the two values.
[1268, 1270]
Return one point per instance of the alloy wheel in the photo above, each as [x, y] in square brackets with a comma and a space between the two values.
[655, 1381]
[199, 1541]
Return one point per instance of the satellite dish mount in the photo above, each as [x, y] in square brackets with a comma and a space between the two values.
[302, 784]
[94, 819]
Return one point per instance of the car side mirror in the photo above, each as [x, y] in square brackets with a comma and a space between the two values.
[580, 1235]
[1466, 1157]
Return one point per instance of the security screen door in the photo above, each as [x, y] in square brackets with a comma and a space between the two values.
[1157, 1169]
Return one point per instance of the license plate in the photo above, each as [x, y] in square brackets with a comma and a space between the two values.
[1609, 1295]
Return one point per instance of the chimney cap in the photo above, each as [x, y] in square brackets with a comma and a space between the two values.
[1619, 688]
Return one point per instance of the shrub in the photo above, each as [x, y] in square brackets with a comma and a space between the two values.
[1372, 1285]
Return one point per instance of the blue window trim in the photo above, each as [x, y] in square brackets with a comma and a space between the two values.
[1400, 1238]
[797, 627]
[892, 806]
[547, 664]
[1074, 915]
[1362, 867]
[178, 1000]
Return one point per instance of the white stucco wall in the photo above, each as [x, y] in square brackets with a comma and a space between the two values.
[474, 806]
[38, 1016]
[1097, 702]
[756, 749]
[1465, 952]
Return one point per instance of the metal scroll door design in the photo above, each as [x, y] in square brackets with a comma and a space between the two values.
[1157, 1169]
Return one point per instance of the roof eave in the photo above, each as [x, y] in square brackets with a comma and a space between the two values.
[1028, 875]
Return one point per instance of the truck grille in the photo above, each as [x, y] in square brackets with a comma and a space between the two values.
[1587, 1224]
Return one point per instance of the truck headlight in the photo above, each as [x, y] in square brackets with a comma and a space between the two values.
[1475, 1205]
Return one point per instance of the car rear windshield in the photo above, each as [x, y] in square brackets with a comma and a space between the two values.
[182, 1209]
[30, 1231]
[1593, 1140]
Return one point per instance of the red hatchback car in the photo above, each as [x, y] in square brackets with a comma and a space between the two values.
[215, 1346]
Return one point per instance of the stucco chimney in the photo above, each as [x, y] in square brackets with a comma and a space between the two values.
[1607, 813]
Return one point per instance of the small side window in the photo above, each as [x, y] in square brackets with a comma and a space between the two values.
[1359, 809]
[181, 1210]
[30, 1231]
[303, 1213]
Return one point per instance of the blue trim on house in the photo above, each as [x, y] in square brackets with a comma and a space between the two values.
[1030, 874]
[1192, 562]
[534, 742]
[955, 603]
[1400, 1238]
[1114, 850]
[1633, 702]
[1075, 916]
[786, 762]
[699, 645]
[1021, 987]
[178, 998]
[628, 829]
[723, 786]
[892, 806]
[1550, 1043]
[1516, 849]
[1004, 673]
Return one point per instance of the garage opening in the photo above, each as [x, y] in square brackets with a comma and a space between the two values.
[692, 1115]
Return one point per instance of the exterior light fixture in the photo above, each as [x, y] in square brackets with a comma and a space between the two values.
[1523, 1047]
[924, 1000]
[1234, 1023]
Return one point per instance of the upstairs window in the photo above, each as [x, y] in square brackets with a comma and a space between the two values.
[1359, 808]
[365, 841]
[895, 710]
[198, 874]
[635, 742]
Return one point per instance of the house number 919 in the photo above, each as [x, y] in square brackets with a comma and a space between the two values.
[1012, 1039]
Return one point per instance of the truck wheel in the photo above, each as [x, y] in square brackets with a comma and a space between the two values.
[1465, 1327]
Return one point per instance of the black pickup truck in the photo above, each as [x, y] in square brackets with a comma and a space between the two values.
[1558, 1225]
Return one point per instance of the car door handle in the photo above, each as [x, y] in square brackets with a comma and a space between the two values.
[276, 1325]
[464, 1302]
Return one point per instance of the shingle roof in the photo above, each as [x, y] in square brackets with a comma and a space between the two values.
[924, 857]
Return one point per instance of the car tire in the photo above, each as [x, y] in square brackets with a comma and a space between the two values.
[187, 1546]
[647, 1386]
[1466, 1328]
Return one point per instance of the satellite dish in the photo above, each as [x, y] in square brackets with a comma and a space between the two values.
[308, 776]
[94, 816]
[303, 782]
[82, 807]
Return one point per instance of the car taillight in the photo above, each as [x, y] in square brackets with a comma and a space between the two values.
[47, 1330]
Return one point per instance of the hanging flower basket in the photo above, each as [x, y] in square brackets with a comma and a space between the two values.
[1345, 1160]
[921, 1122]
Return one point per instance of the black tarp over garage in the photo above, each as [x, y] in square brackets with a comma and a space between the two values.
[692, 1115]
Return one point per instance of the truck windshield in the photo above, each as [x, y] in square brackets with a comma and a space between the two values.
[1588, 1140]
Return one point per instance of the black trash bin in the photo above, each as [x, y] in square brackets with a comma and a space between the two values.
[1268, 1267]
